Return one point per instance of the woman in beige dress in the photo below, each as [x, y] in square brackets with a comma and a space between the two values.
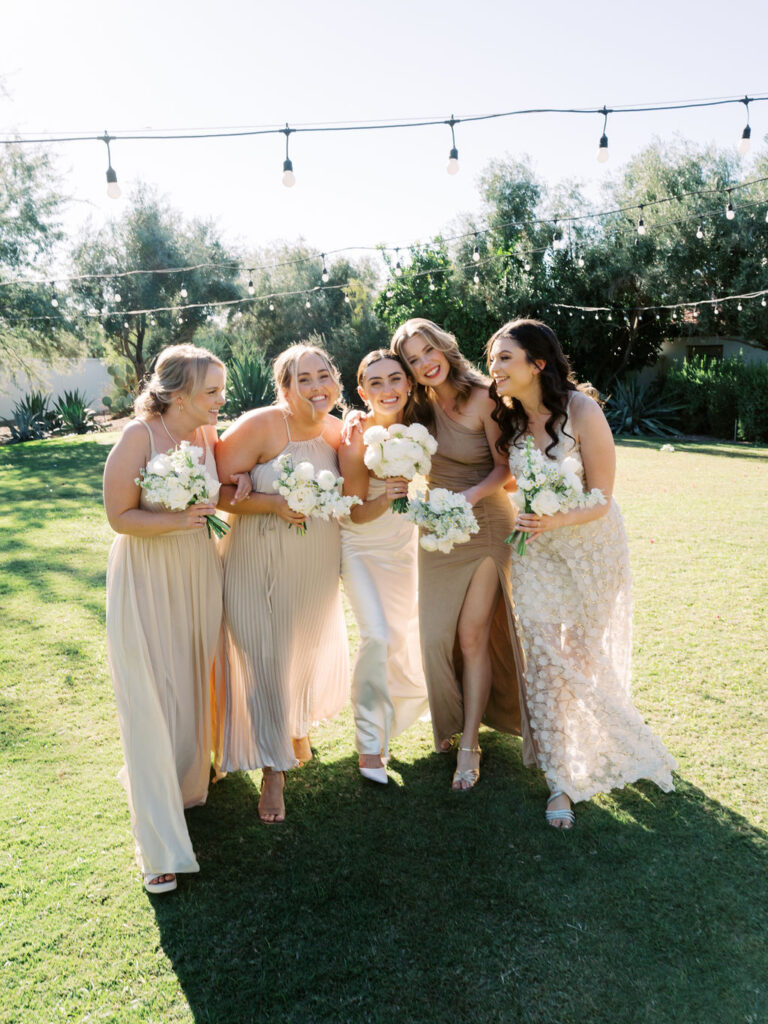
[472, 656]
[286, 646]
[164, 614]
[378, 569]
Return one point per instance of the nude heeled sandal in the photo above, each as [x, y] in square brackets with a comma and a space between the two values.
[470, 775]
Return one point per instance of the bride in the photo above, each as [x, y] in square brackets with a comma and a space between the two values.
[572, 586]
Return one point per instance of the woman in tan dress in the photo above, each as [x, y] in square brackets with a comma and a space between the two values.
[472, 656]
[164, 614]
[286, 646]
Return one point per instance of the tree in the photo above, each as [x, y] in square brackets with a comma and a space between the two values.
[30, 234]
[152, 238]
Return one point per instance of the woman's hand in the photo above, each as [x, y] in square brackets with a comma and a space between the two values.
[353, 421]
[395, 487]
[282, 508]
[193, 517]
[534, 526]
[243, 485]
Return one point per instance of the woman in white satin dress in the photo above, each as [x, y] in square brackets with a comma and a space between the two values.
[379, 573]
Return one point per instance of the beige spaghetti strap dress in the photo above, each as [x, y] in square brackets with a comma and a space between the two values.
[287, 663]
[463, 459]
[163, 620]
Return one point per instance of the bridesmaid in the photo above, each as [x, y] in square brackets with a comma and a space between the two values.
[470, 648]
[572, 586]
[286, 645]
[164, 614]
[378, 569]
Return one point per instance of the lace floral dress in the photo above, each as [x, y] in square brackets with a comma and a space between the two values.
[573, 597]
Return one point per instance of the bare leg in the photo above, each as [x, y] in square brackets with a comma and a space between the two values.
[271, 803]
[474, 634]
[370, 761]
[302, 751]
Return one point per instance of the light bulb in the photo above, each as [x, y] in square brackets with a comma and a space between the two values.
[183, 292]
[699, 231]
[346, 297]
[251, 289]
[580, 261]
[113, 189]
[596, 317]
[730, 213]
[743, 146]
[610, 317]
[602, 150]
[180, 320]
[476, 255]
[526, 266]
[390, 293]
[54, 302]
[307, 304]
[398, 269]
[739, 307]
[641, 227]
[118, 297]
[325, 276]
[763, 302]
[476, 279]
[452, 167]
[766, 216]
[152, 321]
[289, 178]
[431, 285]
[271, 307]
[125, 324]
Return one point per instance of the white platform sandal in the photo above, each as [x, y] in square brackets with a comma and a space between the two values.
[565, 814]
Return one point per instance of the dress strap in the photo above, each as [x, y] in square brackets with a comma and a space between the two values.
[152, 450]
[285, 421]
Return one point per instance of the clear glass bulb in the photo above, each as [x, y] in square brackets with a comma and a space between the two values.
[271, 307]
[398, 271]
[346, 297]
[54, 302]
[118, 297]
[476, 279]
[289, 179]
[602, 152]
[452, 167]
[743, 146]
[580, 261]
[526, 266]
[730, 213]
[476, 255]
[251, 289]
[699, 232]
[307, 304]
[739, 307]
[113, 190]
[763, 302]
[184, 293]
[641, 227]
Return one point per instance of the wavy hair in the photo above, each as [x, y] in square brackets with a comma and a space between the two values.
[376, 357]
[179, 368]
[286, 367]
[539, 342]
[461, 374]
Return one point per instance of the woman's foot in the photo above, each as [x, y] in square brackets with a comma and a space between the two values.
[302, 751]
[271, 803]
[372, 767]
[559, 813]
[446, 746]
[467, 768]
[159, 883]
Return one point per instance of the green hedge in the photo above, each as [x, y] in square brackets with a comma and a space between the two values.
[719, 397]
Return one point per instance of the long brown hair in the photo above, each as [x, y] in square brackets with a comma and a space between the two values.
[539, 342]
[461, 374]
[376, 357]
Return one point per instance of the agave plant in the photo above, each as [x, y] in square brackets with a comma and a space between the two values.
[636, 407]
[33, 417]
[75, 415]
[249, 384]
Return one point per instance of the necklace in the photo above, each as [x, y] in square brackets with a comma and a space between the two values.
[176, 443]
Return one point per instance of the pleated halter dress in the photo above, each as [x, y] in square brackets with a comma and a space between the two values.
[463, 459]
[164, 610]
[287, 662]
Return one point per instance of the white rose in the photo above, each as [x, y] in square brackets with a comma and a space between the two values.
[545, 503]
[375, 435]
[429, 542]
[398, 430]
[160, 465]
[326, 480]
[304, 472]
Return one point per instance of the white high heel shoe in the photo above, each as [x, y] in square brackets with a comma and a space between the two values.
[375, 774]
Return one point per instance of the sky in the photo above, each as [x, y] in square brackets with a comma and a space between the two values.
[94, 66]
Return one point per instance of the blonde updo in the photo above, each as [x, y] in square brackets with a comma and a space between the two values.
[286, 369]
[179, 368]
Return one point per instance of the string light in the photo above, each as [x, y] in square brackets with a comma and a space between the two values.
[398, 268]
[346, 298]
[307, 304]
[54, 300]
[117, 297]
[251, 289]
[324, 274]
[580, 261]
[271, 307]
[641, 222]
[431, 285]
[113, 189]
[289, 178]
[476, 278]
[476, 252]
[452, 167]
[763, 302]
[743, 146]
[526, 266]
[184, 293]
[730, 213]
[602, 149]
[700, 231]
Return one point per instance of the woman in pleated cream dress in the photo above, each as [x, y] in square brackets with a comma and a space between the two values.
[379, 573]
[572, 586]
[164, 613]
[287, 663]
[471, 651]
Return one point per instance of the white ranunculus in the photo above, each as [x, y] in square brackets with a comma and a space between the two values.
[524, 484]
[545, 503]
[326, 480]
[302, 499]
[304, 472]
[160, 465]
[397, 430]
[375, 435]
[429, 542]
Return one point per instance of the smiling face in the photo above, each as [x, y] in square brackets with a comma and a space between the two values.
[385, 387]
[205, 403]
[315, 384]
[512, 371]
[429, 366]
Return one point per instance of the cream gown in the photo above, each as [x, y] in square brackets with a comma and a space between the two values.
[163, 621]
[287, 663]
[378, 570]
[463, 458]
[573, 596]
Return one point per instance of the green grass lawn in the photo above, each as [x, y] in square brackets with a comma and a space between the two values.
[405, 903]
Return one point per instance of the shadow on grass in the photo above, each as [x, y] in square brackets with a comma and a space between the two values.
[412, 903]
[727, 449]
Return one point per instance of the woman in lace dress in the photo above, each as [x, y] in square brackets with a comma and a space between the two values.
[164, 614]
[286, 645]
[378, 569]
[572, 586]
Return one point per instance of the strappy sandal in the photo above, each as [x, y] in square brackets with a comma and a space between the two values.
[564, 814]
[470, 775]
[158, 887]
[277, 813]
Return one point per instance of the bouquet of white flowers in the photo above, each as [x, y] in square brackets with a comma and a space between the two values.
[176, 480]
[399, 451]
[547, 487]
[447, 518]
[318, 496]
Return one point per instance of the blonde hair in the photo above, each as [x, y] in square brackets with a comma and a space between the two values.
[285, 370]
[178, 368]
[461, 374]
